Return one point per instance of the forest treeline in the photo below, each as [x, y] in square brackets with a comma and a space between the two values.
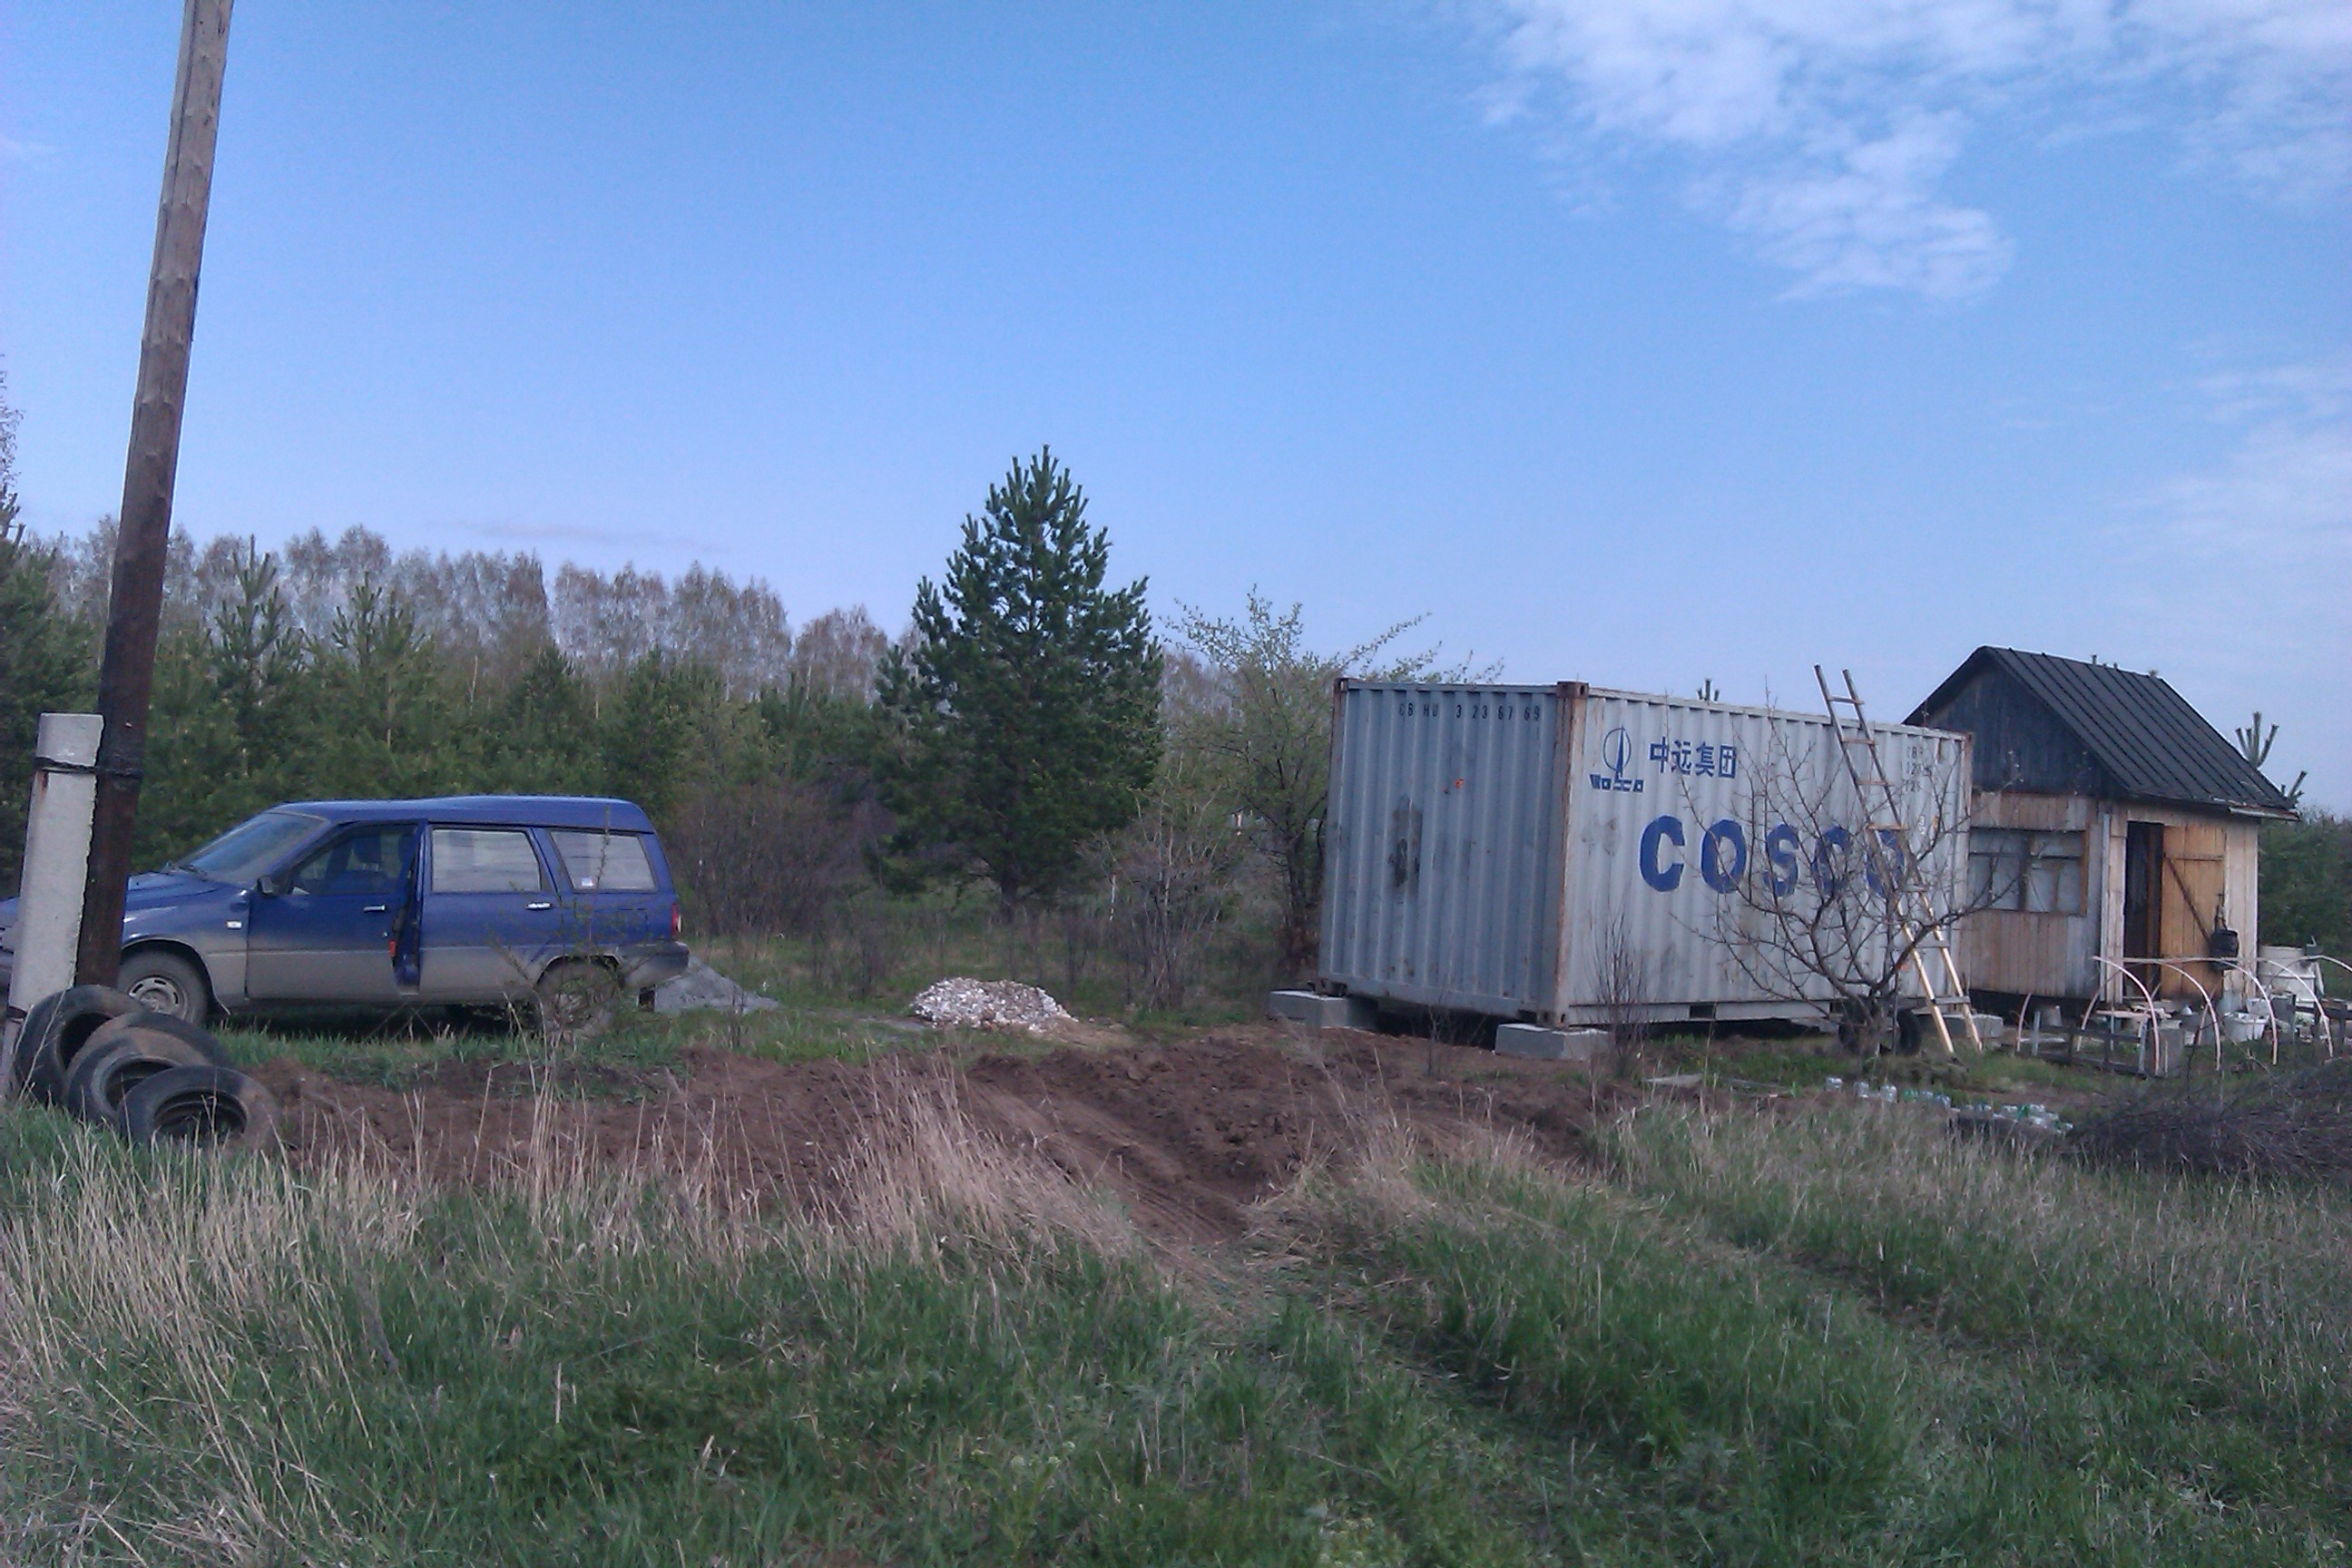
[1031, 732]
[326, 668]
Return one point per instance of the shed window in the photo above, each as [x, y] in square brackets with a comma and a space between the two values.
[605, 862]
[2015, 868]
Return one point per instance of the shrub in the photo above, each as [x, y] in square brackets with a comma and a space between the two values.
[775, 855]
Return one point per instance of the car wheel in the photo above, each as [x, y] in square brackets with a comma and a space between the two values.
[162, 982]
[578, 1000]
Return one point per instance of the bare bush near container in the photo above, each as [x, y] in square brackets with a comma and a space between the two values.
[1815, 918]
[1624, 995]
[1085, 925]
[777, 855]
[1171, 876]
[860, 947]
[874, 945]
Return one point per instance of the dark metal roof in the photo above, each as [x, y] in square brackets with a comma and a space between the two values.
[2150, 744]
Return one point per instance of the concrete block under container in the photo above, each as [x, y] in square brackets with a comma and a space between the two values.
[1539, 1044]
[1322, 1011]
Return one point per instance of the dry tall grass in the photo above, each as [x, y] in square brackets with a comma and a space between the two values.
[2293, 1124]
[142, 1266]
[161, 1270]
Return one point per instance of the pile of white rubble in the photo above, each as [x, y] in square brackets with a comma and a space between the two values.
[962, 1004]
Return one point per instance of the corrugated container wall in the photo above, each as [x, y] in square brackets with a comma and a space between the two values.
[1484, 845]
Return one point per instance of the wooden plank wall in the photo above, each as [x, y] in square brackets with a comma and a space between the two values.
[2210, 861]
[2039, 954]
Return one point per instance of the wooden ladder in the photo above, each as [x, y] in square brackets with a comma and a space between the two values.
[1914, 919]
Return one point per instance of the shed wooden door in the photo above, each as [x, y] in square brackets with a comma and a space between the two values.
[2142, 888]
[2191, 902]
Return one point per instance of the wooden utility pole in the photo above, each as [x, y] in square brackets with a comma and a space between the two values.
[126, 676]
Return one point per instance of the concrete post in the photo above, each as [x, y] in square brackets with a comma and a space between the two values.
[57, 862]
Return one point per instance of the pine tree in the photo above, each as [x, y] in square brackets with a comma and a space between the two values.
[1026, 713]
[195, 784]
[656, 731]
[44, 664]
[256, 659]
[546, 740]
[387, 726]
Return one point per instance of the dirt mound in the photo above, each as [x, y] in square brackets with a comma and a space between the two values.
[1186, 1134]
[1191, 1133]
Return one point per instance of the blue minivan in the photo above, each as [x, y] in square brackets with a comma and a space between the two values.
[561, 901]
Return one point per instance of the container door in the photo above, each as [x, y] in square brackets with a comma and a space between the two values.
[327, 936]
[1442, 852]
[490, 922]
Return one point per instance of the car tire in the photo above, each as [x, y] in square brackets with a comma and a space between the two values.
[59, 1027]
[24, 1076]
[204, 1040]
[164, 982]
[201, 1041]
[105, 1072]
[206, 1105]
[579, 999]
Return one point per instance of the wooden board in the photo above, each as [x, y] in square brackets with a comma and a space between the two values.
[2190, 899]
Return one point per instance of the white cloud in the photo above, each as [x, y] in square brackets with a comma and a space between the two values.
[1871, 219]
[2234, 574]
[2278, 509]
[1821, 128]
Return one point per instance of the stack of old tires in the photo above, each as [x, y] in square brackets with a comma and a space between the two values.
[152, 1077]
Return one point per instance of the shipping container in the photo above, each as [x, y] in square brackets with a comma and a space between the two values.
[1556, 853]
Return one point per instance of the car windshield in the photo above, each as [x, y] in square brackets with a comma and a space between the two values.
[251, 847]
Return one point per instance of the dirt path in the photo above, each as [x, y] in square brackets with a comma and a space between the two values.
[1187, 1134]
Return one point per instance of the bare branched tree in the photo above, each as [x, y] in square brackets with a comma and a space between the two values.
[1261, 711]
[771, 856]
[837, 653]
[2254, 744]
[1820, 907]
[1171, 876]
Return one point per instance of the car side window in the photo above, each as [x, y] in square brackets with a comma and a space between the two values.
[372, 861]
[605, 862]
[484, 860]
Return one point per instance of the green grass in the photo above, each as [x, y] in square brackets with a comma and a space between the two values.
[922, 940]
[339, 1367]
[825, 1011]
[394, 1052]
[1803, 1064]
[1829, 1336]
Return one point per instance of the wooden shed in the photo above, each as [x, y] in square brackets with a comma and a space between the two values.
[2111, 822]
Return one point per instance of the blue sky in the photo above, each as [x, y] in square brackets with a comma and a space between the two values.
[1639, 343]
